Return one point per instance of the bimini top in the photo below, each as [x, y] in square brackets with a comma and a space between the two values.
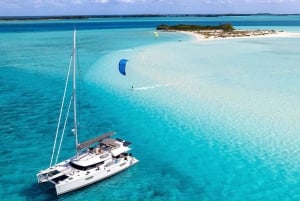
[122, 66]
[92, 141]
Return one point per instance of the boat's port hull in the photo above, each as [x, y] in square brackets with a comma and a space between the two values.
[81, 179]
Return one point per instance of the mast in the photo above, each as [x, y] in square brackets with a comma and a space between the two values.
[74, 92]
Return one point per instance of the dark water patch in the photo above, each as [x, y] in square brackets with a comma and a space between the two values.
[39, 192]
[65, 25]
[5, 153]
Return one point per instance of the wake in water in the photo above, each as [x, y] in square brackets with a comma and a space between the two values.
[149, 87]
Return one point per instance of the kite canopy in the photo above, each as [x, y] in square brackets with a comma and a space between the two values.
[122, 66]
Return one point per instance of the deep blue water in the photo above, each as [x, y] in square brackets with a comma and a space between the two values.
[146, 22]
[213, 120]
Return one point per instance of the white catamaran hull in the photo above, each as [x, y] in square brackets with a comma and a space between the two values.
[92, 177]
[79, 179]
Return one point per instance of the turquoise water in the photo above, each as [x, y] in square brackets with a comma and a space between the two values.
[211, 120]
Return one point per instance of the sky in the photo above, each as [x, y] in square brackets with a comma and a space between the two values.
[131, 7]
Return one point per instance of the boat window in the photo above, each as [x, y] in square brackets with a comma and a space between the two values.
[78, 167]
[84, 168]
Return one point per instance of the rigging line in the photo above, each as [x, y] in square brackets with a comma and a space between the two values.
[64, 128]
[61, 109]
[79, 92]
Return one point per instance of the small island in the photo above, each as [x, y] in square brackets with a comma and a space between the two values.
[219, 31]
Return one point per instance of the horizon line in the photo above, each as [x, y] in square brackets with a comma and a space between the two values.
[41, 17]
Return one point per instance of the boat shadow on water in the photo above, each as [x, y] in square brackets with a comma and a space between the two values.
[37, 192]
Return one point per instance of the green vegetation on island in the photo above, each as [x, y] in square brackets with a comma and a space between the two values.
[185, 27]
[220, 31]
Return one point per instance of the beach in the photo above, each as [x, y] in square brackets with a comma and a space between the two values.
[245, 34]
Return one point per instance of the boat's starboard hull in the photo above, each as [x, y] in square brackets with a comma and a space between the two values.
[93, 177]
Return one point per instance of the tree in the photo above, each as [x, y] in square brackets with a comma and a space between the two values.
[227, 27]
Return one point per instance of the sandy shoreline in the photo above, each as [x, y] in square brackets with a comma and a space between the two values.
[251, 34]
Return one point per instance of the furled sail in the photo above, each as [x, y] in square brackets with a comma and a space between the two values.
[122, 66]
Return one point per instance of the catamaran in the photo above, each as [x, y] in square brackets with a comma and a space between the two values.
[95, 159]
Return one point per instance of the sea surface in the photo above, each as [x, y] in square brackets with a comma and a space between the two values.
[214, 120]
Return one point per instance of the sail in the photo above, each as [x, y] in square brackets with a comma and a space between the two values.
[122, 66]
[155, 34]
